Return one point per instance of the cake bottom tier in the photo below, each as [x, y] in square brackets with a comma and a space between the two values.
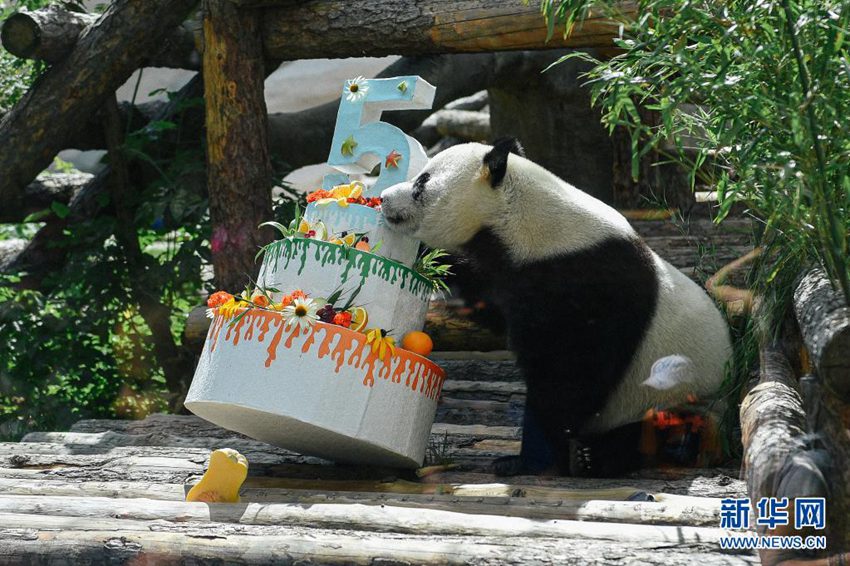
[318, 391]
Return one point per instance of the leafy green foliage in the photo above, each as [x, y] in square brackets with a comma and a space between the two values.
[760, 89]
[435, 271]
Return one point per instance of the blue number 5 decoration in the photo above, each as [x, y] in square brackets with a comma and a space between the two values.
[361, 140]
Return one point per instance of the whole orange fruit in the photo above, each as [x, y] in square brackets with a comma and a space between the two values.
[417, 342]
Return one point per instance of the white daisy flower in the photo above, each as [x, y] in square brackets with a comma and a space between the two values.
[301, 312]
[356, 89]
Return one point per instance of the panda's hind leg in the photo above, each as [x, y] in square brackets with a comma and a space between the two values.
[609, 454]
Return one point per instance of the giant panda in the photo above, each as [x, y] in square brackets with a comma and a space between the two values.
[602, 328]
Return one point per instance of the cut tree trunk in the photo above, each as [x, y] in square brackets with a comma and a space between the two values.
[777, 461]
[49, 34]
[467, 125]
[239, 171]
[346, 28]
[46, 119]
[824, 319]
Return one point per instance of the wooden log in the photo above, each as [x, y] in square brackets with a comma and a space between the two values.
[827, 418]
[49, 34]
[370, 518]
[776, 461]
[345, 28]
[45, 120]
[824, 319]
[239, 171]
[709, 484]
[690, 511]
[9, 251]
[42, 193]
[48, 248]
[467, 125]
[72, 541]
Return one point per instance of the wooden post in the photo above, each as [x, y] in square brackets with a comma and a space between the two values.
[239, 172]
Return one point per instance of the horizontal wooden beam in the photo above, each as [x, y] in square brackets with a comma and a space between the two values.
[32, 538]
[351, 28]
[588, 505]
[368, 518]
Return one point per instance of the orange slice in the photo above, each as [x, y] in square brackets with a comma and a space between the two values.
[359, 319]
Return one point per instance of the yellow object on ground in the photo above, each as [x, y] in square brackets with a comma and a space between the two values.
[223, 478]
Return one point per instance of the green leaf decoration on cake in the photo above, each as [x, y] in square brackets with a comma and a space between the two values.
[402, 87]
[348, 146]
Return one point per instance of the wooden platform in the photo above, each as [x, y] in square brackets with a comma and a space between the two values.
[113, 492]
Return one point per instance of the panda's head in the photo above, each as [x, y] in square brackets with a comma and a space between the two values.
[459, 192]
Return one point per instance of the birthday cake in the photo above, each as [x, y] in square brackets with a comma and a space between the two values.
[324, 355]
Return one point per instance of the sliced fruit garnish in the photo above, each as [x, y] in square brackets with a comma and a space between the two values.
[321, 230]
[348, 239]
[303, 226]
[359, 318]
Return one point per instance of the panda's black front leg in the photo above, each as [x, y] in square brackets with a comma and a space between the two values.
[552, 417]
[537, 455]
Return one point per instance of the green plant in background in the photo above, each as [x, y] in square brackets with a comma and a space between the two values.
[759, 89]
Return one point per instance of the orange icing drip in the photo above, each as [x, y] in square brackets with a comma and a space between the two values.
[426, 376]
[400, 370]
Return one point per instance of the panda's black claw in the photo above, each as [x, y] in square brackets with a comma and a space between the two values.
[581, 460]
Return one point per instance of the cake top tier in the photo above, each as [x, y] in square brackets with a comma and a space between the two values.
[362, 141]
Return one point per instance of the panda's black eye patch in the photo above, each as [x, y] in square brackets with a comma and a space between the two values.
[419, 185]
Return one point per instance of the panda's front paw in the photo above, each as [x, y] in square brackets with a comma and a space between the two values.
[581, 462]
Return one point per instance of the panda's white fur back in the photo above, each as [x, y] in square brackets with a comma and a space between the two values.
[686, 323]
[553, 217]
[538, 216]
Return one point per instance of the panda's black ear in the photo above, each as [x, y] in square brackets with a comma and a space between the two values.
[496, 160]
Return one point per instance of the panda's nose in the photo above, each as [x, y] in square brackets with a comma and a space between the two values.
[389, 196]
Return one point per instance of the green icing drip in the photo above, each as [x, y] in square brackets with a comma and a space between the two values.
[364, 263]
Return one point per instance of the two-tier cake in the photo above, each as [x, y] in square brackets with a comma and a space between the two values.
[310, 360]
